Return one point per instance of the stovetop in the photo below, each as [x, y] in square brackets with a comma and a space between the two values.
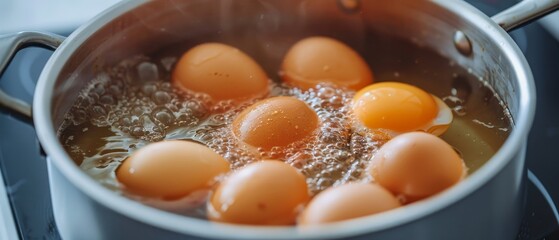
[25, 174]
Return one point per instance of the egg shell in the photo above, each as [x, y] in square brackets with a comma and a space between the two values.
[317, 60]
[221, 71]
[277, 121]
[262, 193]
[346, 202]
[170, 169]
[416, 165]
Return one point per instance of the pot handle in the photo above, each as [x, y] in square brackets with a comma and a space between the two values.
[10, 44]
[524, 12]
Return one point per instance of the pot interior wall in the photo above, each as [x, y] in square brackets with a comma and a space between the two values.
[266, 29]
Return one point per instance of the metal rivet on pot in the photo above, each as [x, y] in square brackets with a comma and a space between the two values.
[350, 6]
[463, 43]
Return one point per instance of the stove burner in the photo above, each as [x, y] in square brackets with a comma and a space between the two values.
[539, 185]
[540, 217]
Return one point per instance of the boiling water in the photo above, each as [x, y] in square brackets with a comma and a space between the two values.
[132, 104]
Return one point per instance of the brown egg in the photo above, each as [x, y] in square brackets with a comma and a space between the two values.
[317, 60]
[170, 169]
[416, 165]
[221, 71]
[347, 202]
[276, 121]
[262, 193]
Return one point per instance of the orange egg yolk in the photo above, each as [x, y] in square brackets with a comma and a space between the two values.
[277, 121]
[221, 71]
[395, 106]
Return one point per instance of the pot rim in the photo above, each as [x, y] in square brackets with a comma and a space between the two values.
[47, 135]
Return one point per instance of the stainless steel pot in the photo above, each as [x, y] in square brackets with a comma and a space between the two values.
[486, 205]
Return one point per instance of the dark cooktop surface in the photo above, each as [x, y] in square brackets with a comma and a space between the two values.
[25, 173]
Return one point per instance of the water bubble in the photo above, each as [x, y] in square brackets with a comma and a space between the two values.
[99, 89]
[197, 109]
[326, 93]
[336, 101]
[218, 118]
[164, 116]
[166, 86]
[137, 110]
[149, 88]
[78, 116]
[107, 100]
[113, 118]
[147, 72]
[161, 97]
[93, 97]
[115, 90]
[98, 111]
